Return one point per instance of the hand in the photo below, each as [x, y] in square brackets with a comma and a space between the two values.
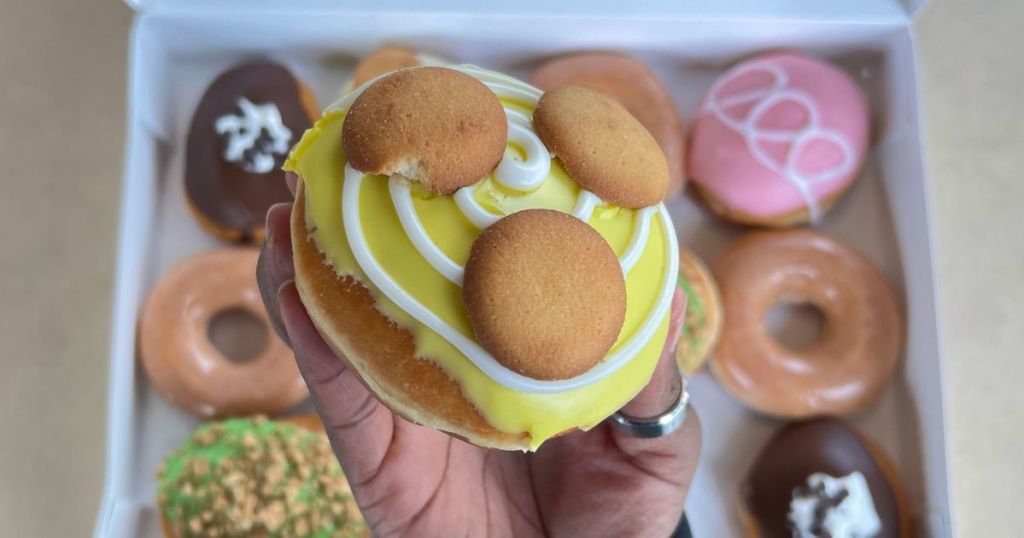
[415, 481]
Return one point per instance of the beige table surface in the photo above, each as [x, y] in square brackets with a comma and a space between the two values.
[62, 78]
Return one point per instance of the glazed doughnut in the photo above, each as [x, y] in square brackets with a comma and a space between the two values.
[819, 478]
[840, 373]
[257, 477]
[632, 83]
[386, 59]
[182, 363]
[241, 132]
[702, 325]
[382, 61]
[778, 139]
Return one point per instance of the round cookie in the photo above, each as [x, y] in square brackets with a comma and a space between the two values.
[703, 322]
[241, 132]
[432, 125]
[602, 146]
[381, 61]
[544, 293]
[632, 83]
[779, 138]
[815, 477]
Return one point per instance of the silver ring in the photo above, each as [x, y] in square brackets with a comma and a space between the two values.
[659, 426]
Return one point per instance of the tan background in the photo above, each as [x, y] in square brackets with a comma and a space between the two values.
[62, 79]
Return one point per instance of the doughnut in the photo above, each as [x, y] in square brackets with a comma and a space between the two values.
[818, 479]
[854, 357]
[256, 477]
[382, 61]
[778, 139]
[241, 132]
[632, 83]
[386, 59]
[702, 323]
[179, 358]
[418, 278]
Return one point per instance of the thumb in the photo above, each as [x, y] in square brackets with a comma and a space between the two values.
[359, 427]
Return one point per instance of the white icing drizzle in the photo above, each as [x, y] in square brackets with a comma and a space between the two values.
[430, 60]
[523, 175]
[641, 229]
[503, 85]
[473, 351]
[402, 198]
[763, 99]
[842, 507]
[471, 208]
[519, 175]
[586, 201]
[243, 136]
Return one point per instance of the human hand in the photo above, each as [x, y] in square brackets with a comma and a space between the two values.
[412, 480]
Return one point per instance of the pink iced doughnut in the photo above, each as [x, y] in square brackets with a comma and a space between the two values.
[778, 139]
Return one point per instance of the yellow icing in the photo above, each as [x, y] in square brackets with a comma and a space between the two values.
[320, 161]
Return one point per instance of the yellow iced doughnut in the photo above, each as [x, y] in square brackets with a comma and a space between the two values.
[380, 259]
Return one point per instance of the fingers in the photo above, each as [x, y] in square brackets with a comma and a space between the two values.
[292, 180]
[360, 428]
[673, 456]
[662, 391]
[275, 264]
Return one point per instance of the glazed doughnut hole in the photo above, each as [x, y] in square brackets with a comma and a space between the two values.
[238, 334]
[795, 324]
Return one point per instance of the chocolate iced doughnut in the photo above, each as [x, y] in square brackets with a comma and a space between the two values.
[241, 132]
[814, 477]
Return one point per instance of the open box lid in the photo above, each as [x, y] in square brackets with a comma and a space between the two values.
[863, 11]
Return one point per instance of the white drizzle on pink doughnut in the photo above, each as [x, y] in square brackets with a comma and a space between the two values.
[764, 99]
[833, 114]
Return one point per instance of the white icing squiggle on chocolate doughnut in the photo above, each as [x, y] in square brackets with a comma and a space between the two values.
[841, 506]
[517, 173]
[244, 145]
[763, 99]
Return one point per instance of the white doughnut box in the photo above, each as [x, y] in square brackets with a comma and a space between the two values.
[179, 46]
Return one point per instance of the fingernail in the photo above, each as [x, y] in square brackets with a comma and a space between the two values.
[282, 329]
[268, 233]
[675, 340]
[677, 304]
[281, 288]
